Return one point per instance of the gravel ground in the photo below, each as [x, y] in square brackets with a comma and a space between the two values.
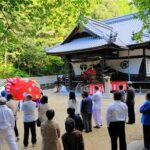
[96, 140]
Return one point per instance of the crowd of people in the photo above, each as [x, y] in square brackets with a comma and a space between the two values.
[79, 120]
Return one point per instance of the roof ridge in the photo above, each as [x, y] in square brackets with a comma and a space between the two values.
[106, 26]
[119, 18]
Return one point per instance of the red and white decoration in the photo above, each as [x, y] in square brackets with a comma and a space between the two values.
[113, 84]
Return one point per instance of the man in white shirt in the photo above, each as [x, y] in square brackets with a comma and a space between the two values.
[116, 115]
[97, 102]
[30, 117]
[7, 122]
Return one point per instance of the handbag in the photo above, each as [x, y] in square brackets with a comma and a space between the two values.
[38, 122]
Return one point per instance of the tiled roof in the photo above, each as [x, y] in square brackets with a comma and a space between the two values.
[118, 31]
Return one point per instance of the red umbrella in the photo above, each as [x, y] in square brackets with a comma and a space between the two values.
[20, 88]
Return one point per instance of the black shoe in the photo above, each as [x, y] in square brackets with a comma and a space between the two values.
[130, 122]
[96, 127]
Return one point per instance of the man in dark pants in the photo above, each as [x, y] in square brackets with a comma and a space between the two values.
[130, 103]
[116, 116]
[30, 117]
[86, 112]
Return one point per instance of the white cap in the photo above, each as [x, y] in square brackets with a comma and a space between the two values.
[3, 99]
[129, 82]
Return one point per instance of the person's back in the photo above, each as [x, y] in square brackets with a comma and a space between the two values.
[74, 102]
[7, 122]
[43, 107]
[6, 119]
[29, 109]
[115, 117]
[13, 105]
[50, 133]
[145, 120]
[130, 96]
[97, 99]
[130, 103]
[42, 112]
[49, 128]
[86, 106]
[78, 121]
[30, 117]
[122, 93]
[72, 139]
[118, 111]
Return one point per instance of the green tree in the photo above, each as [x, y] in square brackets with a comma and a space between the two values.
[111, 8]
[143, 7]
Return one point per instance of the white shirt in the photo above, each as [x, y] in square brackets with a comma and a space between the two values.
[97, 100]
[75, 105]
[29, 111]
[42, 112]
[116, 111]
[7, 120]
[13, 105]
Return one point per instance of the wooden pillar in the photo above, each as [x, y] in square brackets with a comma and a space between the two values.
[144, 62]
[69, 66]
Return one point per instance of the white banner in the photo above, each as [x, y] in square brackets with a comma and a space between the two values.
[83, 66]
[121, 65]
[147, 67]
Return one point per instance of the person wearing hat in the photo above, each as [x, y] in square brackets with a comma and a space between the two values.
[7, 122]
[50, 133]
[130, 103]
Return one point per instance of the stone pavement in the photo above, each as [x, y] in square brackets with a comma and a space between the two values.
[135, 145]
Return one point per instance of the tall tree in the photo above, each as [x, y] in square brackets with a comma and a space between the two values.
[143, 7]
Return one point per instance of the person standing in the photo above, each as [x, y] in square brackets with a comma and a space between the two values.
[86, 112]
[13, 105]
[43, 107]
[78, 121]
[7, 122]
[30, 117]
[116, 115]
[130, 103]
[145, 110]
[73, 102]
[50, 133]
[122, 92]
[72, 139]
[97, 104]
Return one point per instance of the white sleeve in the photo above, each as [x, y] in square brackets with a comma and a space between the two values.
[108, 116]
[126, 113]
[12, 119]
[22, 106]
[94, 97]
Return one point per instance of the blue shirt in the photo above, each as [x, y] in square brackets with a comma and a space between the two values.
[29, 111]
[86, 106]
[145, 110]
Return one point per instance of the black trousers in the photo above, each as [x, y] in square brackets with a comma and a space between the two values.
[87, 121]
[146, 133]
[16, 129]
[32, 127]
[117, 130]
[131, 114]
